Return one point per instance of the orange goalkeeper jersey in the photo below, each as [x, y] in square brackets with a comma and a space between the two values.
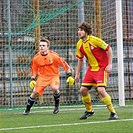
[48, 65]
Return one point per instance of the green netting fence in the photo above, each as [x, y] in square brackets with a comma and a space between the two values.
[23, 22]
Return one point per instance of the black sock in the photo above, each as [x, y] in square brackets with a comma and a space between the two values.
[30, 103]
[57, 99]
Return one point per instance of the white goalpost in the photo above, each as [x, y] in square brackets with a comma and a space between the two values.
[119, 33]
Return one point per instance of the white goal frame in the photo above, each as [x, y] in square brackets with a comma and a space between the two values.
[119, 34]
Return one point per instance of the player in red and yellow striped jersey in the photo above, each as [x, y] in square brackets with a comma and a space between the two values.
[46, 67]
[99, 57]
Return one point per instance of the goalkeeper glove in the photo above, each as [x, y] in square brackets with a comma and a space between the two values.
[32, 83]
[70, 79]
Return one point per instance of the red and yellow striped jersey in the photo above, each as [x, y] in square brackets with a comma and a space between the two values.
[94, 49]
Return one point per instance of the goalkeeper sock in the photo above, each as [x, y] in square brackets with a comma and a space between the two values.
[108, 103]
[57, 99]
[87, 102]
[30, 103]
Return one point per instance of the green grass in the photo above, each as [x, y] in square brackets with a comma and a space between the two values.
[42, 120]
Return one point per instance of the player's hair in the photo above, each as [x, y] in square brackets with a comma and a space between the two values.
[86, 27]
[45, 40]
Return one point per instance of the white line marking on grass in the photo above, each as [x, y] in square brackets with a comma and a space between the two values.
[64, 110]
[70, 124]
[34, 111]
[49, 110]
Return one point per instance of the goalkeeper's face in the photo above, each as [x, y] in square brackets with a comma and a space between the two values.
[43, 47]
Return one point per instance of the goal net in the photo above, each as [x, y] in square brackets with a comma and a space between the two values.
[23, 22]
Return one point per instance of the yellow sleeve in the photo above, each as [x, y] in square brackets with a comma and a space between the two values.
[97, 42]
[78, 52]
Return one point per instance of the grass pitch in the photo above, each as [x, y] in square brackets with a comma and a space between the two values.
[42, 120]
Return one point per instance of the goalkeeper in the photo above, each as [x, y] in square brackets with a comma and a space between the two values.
[46, 68]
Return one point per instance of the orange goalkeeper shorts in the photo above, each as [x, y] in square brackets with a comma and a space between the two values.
[42, 83]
